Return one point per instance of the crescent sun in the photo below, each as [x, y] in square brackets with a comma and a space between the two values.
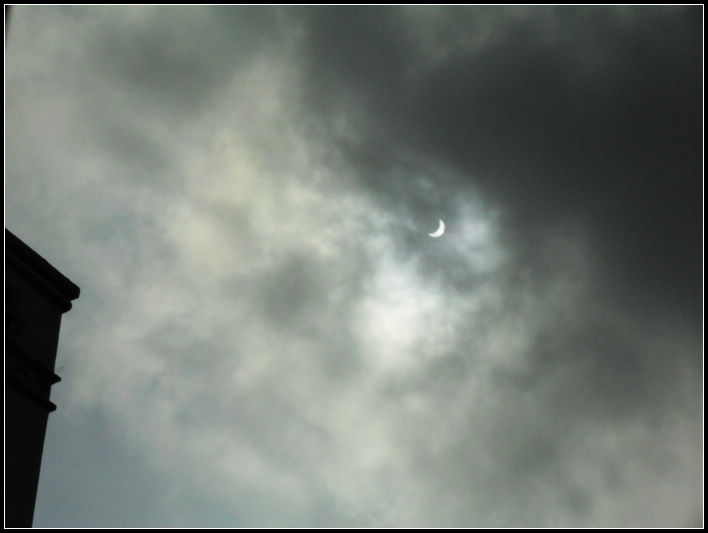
[439, 231]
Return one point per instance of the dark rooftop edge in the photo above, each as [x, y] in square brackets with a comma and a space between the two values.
[14, 246]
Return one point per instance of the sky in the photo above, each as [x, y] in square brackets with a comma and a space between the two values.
[267, 336]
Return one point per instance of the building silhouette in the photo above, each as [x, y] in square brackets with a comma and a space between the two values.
[36, 296]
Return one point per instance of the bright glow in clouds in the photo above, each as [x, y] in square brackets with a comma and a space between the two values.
[403, 317]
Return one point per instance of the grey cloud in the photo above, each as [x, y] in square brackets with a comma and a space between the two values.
[547, 129]
[176, 57]
[596, 128]
[128, 142]
[264, 324]
[291, 291]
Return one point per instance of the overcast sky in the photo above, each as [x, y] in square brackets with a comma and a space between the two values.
[266, 334]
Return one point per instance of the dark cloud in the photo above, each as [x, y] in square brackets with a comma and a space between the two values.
[580, 116]
[595, 117]
[585, 118]
[245, 193]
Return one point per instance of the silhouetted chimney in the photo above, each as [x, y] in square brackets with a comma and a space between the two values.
[36, 295]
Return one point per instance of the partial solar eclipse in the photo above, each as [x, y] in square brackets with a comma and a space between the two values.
[439, 231]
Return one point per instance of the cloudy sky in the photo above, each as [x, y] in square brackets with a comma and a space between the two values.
[267, 336]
